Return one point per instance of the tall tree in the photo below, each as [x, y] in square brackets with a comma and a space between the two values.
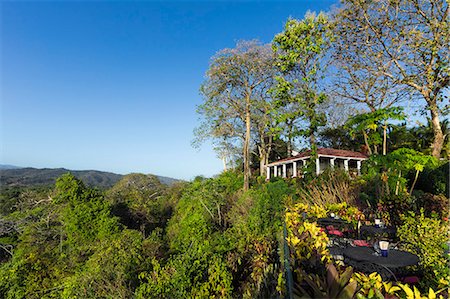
[264, 129]
[236, 81]
[289, 120]
[356, 81]
[405, 42]
[301, 51]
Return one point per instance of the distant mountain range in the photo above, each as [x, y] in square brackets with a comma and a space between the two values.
[3, 166]
[16, 176]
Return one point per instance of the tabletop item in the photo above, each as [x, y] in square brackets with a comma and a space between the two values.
[377, 222]
[384, 246]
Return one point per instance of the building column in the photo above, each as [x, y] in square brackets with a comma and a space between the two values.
[332, 162]
[358, 166]
[317, 166]
[346, 165]
[294, 169]
[268, 172]
[275, 171]
[284, 170]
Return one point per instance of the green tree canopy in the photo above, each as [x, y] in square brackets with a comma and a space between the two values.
[301, 57]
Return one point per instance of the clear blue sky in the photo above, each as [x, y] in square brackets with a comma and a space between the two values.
[113, 86]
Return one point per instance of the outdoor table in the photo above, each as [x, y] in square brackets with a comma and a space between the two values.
[366, 260]
[331, 221]
[375, 231]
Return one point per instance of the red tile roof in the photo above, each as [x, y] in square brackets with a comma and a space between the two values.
[326, 152]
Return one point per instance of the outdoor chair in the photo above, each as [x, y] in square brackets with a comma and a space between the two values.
[331, 230]
[410, 280]
[363, 243]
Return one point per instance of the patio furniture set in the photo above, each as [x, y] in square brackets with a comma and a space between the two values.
[370, 248]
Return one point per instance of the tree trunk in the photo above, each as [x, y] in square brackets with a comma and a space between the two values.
[247, 145]
[289, 125]
[398, 182]
[264, 152]
[312, 138]
[384, 139]
[414, 182]
[438, 141]
[289, 148]
[269, 150]
[224, 161]
[366, 141]
[262, 166]
[219, 214]
[262, 158]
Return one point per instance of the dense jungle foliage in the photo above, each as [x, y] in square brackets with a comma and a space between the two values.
[201, 239]
[141, 238]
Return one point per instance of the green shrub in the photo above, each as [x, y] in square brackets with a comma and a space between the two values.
[434, 206]
[426, 237]
[386, 174]
[202, 209]
[193, 274]
[9, 197]
[111, 272]
[139, 202]
[268, 204]
[331, 284]
[330, 187]
[255, 218]
[435, 180]
[392, 207]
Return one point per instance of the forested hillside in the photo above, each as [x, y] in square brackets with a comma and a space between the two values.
[201, 239]
[144, 239]
[26, 177]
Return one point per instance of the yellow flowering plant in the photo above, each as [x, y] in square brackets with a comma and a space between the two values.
[306, 239]
[314, 211]
[372, 286]
[414, 293]
[344, 211]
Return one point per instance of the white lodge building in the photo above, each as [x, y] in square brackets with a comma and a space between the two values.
[327, 157]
